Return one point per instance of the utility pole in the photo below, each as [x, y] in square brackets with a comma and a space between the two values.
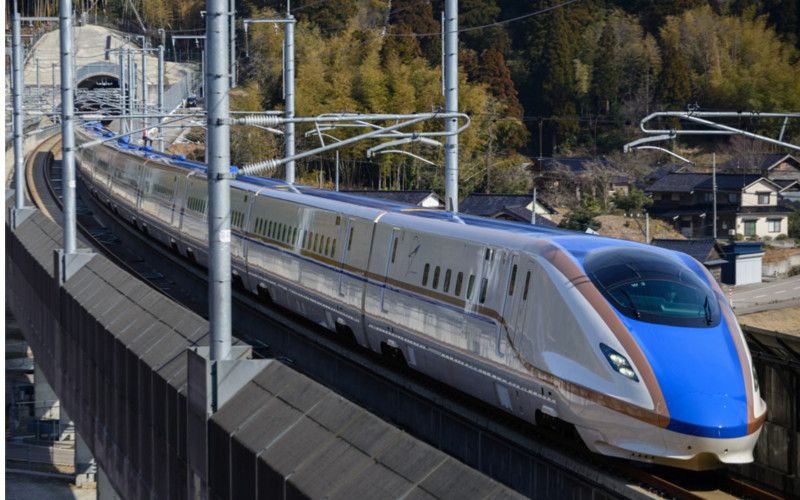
[17, 118]
[122, 84]
[38, 86]
[160, 94]
[647, 227]
[145, 121]
[218, 157]
[288, 93]
[714, 189]
[533, 208]
[53, 88]
[540, 142]
[131, 95]
[451, 105]
[337, 170]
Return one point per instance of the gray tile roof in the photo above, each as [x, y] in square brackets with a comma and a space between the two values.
[488, 205]
[686, 183]
[703, 249]
[756, 161]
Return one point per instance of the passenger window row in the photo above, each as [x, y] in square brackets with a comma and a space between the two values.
[459, 282]
[291, 235]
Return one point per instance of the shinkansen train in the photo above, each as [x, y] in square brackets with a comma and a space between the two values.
[635, 346]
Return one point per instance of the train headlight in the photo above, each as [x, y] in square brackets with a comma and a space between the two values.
[619, 363]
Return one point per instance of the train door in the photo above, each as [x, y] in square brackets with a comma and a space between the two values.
[344, 238]
[516, 309]
[391, 255]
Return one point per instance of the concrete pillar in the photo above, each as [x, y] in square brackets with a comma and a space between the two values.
[105, 491]
[85, 465]
[47, 404]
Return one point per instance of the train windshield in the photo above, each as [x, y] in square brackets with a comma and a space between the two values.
[650, 287]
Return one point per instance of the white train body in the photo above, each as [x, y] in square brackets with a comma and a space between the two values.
[504, 312]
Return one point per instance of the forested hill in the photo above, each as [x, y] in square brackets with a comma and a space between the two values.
[579, 76]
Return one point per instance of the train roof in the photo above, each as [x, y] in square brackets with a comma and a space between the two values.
[404, 214]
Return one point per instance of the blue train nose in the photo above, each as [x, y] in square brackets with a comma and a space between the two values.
[708, 415]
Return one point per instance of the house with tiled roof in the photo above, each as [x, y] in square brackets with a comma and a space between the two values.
[579, 173]
[420, 198]
[773, 166]
[747, 205]
[706, 250]
[516, 207]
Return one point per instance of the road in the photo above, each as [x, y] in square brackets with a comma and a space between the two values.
[768, 295]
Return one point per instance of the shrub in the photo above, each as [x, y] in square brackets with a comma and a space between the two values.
[794, 271]
[738, 237]
[781, 237]
[583, 217]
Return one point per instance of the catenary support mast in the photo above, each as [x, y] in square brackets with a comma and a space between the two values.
[451, 104]
[218, 157]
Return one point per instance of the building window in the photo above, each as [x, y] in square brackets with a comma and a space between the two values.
[657, 196]
[675, 197]
[749, 228]
[733, 198]
[774, 225]
[763, 198]
[708, 197]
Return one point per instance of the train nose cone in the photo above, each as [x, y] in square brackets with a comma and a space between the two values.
[708, 415]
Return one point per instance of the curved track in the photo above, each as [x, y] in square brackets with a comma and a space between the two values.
[555, 445]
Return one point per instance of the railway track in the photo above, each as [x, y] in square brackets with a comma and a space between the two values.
[617, 477]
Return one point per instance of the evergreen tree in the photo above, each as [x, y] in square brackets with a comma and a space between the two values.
[558, 86]
[674, 89]
[607, 73]
[492, 70]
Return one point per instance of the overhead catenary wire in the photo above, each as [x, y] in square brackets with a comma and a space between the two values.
[489, 25]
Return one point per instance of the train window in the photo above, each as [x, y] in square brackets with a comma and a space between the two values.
[470, 285]
[338, 220]
[459, 282]
[316, 243]
[513, 281]
[489, 254]
[394, 248]
[652, 287]
[305, 237]
[327, 245]
[484, 286]
[269, 229]
[294, 236]
[436, 278]
[350, 240]
[425, 273]
[333, 248]
[527, 282]
[283, 232]
[446, 287]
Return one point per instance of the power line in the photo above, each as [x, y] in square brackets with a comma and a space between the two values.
[490, 25]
